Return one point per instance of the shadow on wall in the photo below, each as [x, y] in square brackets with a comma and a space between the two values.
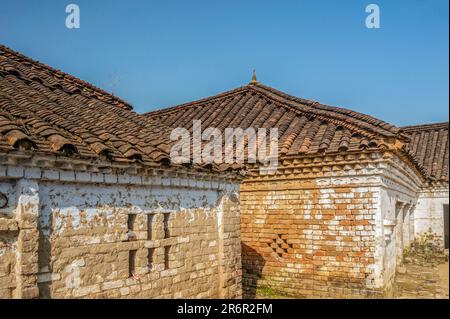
[252, 266]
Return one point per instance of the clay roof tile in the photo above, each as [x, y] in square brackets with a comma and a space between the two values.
[429, 147]
[55, 112]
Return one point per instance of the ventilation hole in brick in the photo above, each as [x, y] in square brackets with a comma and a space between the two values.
[166, 257]
[166, 225]
[131, 221]
[150, 253]
[150, 218]
[132, 263]
[280, 242]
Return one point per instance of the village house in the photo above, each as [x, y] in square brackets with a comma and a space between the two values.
[350, 193]
[91, 205]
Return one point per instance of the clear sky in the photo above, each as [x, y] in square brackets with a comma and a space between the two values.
[160, 53]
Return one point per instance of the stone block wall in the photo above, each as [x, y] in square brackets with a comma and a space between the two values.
[8, 248]
[91, 235]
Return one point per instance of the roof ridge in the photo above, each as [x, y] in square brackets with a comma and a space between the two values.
[167, 110]
[314, 105]
[281, 97]
[66, 76]
[368, 131]
[425, 126]
[372, 124]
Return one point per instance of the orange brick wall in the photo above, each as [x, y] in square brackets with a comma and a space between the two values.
[307, 240]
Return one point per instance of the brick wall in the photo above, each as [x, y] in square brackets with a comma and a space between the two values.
[307, 240]
[328, 226]
[68, 235]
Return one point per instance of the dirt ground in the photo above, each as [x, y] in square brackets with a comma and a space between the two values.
[419, 282]
[443, 275]
[415, 282]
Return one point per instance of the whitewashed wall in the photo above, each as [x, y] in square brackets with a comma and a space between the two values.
[58, 219]
[429, 213]
[398, 196]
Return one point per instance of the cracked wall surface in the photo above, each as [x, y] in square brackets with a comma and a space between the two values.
[163, 237]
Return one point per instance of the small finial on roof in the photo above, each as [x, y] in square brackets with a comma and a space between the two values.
[254, 80]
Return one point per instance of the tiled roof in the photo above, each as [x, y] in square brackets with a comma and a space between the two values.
[429, 144]
[43, 110]
[305, 127]
[28, 69]
[48, 111]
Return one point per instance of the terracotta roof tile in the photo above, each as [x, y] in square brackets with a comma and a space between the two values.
[45, 110]
[30, 71]
[305, 127]
[429, 145]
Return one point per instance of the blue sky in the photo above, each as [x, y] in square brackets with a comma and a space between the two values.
[161, 53]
